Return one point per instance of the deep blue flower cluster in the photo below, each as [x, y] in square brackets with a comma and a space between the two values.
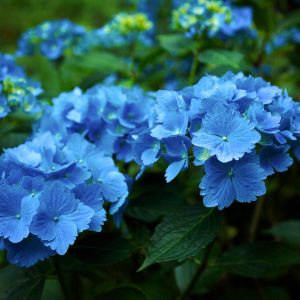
[17, 91]
[238, 128]
[109, 116]
[213, 17]
[51, 39]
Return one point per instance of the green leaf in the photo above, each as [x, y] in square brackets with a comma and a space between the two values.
[16, 283]
[148, 204]
[218, 58]
[182, 235]
[124, 293]
[100, 61]
[288, 231]
[12, 139]
[43, 70]
[260, 259]
[52, 290]
[176, 44]
[102, 249]
[184, 274]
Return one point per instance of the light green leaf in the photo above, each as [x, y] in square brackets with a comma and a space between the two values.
[182, 235]
[100, 61]
[222, 58]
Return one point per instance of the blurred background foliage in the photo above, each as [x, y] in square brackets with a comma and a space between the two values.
[107, 268]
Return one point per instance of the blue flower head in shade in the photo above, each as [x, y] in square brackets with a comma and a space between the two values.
[199, 16]
[18, 93]
[123, 30]
[60, 218]
[9, 67]
[51, 39]
[226, 134]
[241, 180]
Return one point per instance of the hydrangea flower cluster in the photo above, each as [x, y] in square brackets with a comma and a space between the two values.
[239, 128]
[51, 39]
[52, 188]
[122, 30]
[17, 92]
[213, 17]
[110, 117]
[280, 40]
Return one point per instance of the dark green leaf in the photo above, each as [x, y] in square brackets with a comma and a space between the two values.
[182, 234]
[289, 231]
[102, 249]
[52, 290]
[124, 293]
[12, 139]
[16, 284]
[258, 259]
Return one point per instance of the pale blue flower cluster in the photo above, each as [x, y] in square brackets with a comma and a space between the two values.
[239, 128]
[18, 93]
[212, 17]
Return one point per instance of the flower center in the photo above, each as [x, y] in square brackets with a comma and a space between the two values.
[18, 216]
[55, 219]
[230, 172]
[225, 138]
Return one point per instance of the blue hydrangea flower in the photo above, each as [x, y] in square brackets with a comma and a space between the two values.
[226, 134]
[176, 155]
[60, 218]
[112, 182]
[241, 180]
[28, 252]
[90, 195]
[16, 212]
[275, 158]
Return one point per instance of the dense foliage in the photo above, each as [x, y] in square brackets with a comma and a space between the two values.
[125, 142]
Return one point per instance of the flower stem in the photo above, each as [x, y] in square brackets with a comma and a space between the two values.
[200, 271]
[193, 68]
[255, 219]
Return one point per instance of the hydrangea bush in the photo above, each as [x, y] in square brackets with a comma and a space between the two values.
[152, 134]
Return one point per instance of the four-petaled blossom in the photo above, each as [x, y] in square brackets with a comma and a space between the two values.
[226, 134]
[241, 180]
[60, 218]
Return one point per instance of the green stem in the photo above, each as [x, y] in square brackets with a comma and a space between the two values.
[255, 219]
[198, 274]
[193, 69]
